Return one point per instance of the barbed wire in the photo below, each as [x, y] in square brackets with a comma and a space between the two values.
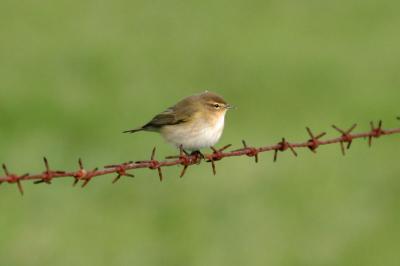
[121, 170]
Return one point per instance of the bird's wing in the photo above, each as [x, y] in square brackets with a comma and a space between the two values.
[170, 117]
[182, 112]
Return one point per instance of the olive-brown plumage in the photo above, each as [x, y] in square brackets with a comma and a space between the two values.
[194, 122]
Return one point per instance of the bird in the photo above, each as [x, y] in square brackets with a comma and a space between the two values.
[194, 123]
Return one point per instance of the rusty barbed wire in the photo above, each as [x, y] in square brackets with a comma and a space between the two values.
[186, 160]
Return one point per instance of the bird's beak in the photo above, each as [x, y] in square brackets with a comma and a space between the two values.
[228, 106]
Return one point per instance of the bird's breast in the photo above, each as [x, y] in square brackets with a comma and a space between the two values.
[198, 133]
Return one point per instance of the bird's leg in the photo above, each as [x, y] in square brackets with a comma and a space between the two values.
[198, 154]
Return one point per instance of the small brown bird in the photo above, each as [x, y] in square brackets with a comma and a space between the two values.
[195, 122]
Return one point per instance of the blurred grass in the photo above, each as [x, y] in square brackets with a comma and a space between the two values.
[74, 74]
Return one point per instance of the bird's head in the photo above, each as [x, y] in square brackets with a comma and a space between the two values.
[213, 103]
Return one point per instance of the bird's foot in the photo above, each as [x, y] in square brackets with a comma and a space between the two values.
[198, 154]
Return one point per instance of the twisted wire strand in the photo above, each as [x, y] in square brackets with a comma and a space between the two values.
[121, 170]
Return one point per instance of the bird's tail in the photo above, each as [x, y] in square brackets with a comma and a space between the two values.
[133, 130]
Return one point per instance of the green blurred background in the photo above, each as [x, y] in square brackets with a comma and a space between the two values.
[74, 74]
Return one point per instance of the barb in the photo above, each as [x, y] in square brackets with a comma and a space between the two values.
[346, 137]
[187, 160]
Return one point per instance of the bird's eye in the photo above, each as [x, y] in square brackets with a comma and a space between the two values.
[216, 105]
